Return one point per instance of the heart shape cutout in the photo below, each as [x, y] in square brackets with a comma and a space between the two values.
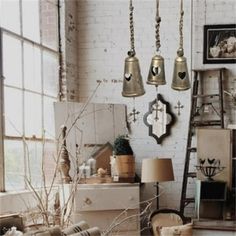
[182, 75]
[156, 70]
[128, 76]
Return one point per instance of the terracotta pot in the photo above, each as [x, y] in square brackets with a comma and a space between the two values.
[125, 165]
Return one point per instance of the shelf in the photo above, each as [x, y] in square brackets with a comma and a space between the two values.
[221, 225]
[213, 200]
[206, 95]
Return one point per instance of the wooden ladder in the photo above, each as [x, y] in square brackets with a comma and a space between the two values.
[193, 123]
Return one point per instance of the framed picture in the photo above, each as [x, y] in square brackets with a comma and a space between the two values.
[219, 44]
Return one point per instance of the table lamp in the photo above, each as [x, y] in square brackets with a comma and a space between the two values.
[157, 170]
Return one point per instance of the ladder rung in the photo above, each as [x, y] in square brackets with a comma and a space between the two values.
[206, 123]
[209, 69]
[188, 200]
[192, 174]
[206, 95]
[192, 149]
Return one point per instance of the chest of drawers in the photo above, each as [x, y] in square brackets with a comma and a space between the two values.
[106, 205]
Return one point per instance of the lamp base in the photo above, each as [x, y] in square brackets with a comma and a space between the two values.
[157, 193]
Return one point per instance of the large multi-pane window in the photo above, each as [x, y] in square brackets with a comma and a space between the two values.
[30, 65]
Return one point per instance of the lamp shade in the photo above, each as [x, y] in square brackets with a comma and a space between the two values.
[157, 170]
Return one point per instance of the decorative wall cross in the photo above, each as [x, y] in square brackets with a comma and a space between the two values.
[156, 110]
[134, 113]
[179, 106]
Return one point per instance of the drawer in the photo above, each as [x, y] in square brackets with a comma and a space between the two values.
[107, 198]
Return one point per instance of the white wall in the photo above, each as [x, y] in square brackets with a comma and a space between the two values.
[70, 86]
[16, 202]
[103, 37]
[103, 42]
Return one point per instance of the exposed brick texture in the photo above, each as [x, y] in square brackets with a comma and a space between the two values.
[101, 40]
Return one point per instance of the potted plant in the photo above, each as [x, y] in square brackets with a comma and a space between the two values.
[124, 157]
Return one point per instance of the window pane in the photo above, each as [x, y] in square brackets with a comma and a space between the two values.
[12, 63]
[50, 74]
[13, 112]
[49, 160]
[33, 115]
[10, 15]
[14, 164]
[34, 156]
[49, 27]
[30, 14]
[49, 121]
[32, 68]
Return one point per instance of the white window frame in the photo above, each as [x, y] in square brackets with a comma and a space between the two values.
[2, 126]
[2, 171]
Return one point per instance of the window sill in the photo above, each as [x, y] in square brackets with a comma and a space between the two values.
[13, 192]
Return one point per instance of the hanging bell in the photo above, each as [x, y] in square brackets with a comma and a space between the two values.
[132, 82]
[156, 74]
[180, 79]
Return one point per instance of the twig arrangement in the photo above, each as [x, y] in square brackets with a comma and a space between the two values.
[50, 210]
[143, 215]
[53, 209]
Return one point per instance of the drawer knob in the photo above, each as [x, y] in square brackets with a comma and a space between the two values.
[87, 201]
[131, 198]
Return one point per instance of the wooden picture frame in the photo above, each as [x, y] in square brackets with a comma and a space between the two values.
[219, 44]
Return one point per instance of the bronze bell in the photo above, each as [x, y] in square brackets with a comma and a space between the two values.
[180, 79]
[132, 82]
[156, 74]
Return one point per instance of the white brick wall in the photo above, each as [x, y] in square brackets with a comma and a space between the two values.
[103, 36]
[69, 47]
[102, 44]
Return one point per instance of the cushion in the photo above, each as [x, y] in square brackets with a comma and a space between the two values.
[180, 230]
[165, 219]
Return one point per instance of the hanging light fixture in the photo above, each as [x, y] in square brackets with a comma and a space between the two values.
[180, 79]
[156, 75]
[132, 82]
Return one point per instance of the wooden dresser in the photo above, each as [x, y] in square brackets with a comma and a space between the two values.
[100, 204]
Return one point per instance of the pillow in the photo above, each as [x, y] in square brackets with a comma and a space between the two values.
[163, 220]
[180, 230]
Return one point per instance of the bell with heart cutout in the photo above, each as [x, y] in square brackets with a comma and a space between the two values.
[180, 79]
[156, 75]
[132, 78]
[132, 81]
[180, 76]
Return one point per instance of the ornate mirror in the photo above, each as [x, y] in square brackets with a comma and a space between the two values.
[159, 119]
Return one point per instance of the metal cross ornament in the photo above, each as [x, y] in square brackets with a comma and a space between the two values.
[179, 106]
[155, 108]
[134, 114]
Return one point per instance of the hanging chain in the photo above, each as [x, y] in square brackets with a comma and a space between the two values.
[181, 28]
[158, 21]
[131, 23]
